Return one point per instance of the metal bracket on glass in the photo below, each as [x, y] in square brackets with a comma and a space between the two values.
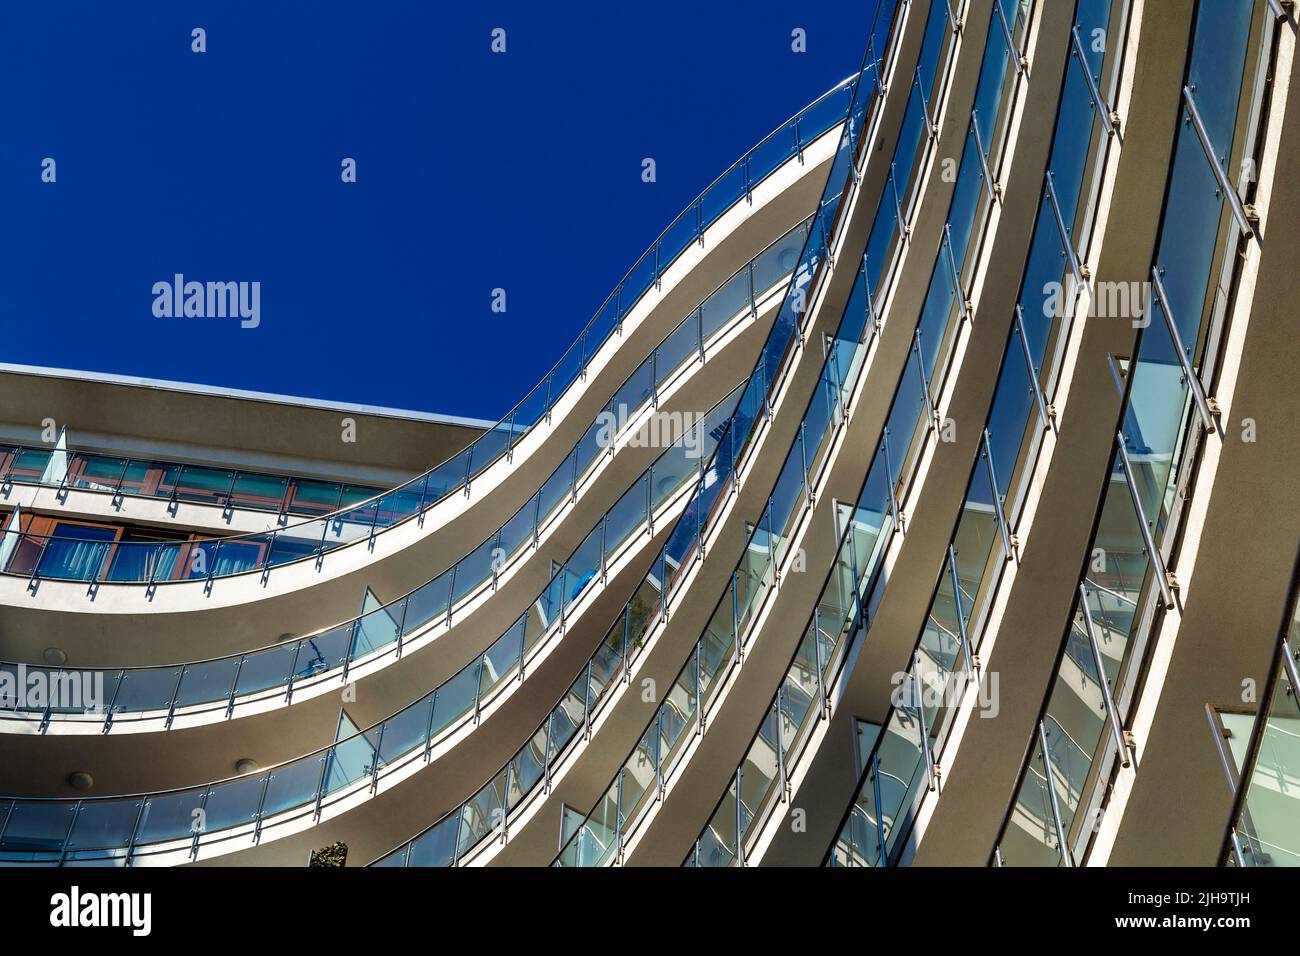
[151, 585]
[320, 547]
[782, 771]
[955, 274]
[1117, 377]
[266, 562]
[234, 686]
[112, 704]
[428, 727]
[873, 317]
[1206, 407]
[353, 629]
[1080, 271]
[1112, 713]
[1288, 661]
[212, 570]
[451, 590]
[320, 785]
[889, 476]
[823, 700]
[953, 19]
[618, 820]
[115, 501]
[1048, 776]
[931, 768]
[374, 764]
[129, 858]
[1234, 200]
[171, 706]
[904, 228]
[198, 831]
[1109, 117]
[880, 816]
[504, 826]
[261, 804]
[995, 190]
[961, 617]
[1046, 413]
[931, 416]
[228, 506]
[282, 509]
[1163, 578]
[173, 503]
[931, 127]
[92, 586]
[1022, 62]
[1281, 8]
[997, 497]
[293, 673]
[659, 746]
[61, 489]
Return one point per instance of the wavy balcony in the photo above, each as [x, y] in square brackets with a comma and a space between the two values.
[636, 651]
[685, 787]
[762, 189]
[750, 812]
[186, 694]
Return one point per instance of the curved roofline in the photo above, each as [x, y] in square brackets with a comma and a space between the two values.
[135, 381]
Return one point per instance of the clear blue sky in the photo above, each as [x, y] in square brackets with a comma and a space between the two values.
[475, 171]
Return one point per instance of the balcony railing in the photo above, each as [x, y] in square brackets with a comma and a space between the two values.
[94, 560]
[445, 842]
[227, 488]
[942, 665]
[232, 682]
[145, 827]
[1167, 413]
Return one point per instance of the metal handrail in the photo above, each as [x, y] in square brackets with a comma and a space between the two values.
[270, 648]
[1225, 187]
[579, 343]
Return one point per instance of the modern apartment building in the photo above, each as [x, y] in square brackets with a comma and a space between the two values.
[927, 493]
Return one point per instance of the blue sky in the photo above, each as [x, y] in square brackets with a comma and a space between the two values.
[475, 171]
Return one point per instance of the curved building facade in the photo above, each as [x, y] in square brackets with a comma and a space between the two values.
[926, 494]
